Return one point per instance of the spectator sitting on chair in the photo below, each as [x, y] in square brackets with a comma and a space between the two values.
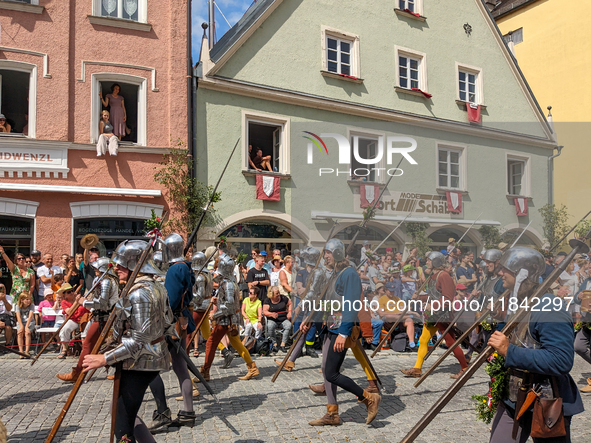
[47, 321]
[25, 322]
[4, 125]
[6, 318]
[389, 313]
[277, 310]
[252, 313]
[72, 324]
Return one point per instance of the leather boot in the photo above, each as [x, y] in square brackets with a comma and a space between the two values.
[70, 377]
[412, 372]
[228, 357]
[373, 387]
[587, 388]
[289, 365]
[253, 371]
[184, 418]
[456, 376]
[204, 372]
[372, 402]
[318, 389]
[331, 418]
[160, 420]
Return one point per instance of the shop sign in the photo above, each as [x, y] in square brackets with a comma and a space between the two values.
[34, 161]
[403, 203]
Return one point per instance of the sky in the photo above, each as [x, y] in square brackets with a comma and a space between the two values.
[231, 9]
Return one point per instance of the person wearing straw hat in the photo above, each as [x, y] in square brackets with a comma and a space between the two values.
[67, 291]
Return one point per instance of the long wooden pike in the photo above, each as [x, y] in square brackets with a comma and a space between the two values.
[204, 213]
[73, 309]
[14, 351]
[416, 294]
[99, 343]
[578, 247]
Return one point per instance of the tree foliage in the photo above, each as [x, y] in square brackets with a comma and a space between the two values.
[491, 236]
[555, 222]
[417, 231]
[187, 196]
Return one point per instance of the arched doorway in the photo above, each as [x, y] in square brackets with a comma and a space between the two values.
[526, 239]
[440, 240]
[372, 234]
[262, 234]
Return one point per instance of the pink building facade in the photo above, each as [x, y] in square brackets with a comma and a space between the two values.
[55, 59]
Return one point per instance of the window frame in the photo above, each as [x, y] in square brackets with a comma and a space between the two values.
[142, 11]
[363, 132]
[327, 32]
[267, 119]
[418, 6]
[479, 82]
[399, 51]
[463, 170]
[526, 176]
[95, 104]
[31, 69]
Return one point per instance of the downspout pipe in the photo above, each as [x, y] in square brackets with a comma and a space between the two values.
[551, 174]
[190, 102]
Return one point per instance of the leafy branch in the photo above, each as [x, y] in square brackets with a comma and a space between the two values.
[418, 233]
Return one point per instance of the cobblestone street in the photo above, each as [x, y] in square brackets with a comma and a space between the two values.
[256, 410]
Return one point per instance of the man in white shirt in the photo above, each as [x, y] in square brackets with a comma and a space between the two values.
[364, 250]
[46, 273]
[373, 273]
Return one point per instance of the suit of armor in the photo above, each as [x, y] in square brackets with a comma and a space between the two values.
[228, 303]
[202, 291]
[143, 318]
[105, 295]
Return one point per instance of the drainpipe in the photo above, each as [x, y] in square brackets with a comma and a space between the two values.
[190, 76]
[551, 174]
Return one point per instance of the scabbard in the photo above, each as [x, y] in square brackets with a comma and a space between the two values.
[529, 400]
[521, 398]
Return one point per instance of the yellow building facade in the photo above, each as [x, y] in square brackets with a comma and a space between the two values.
[552, 46]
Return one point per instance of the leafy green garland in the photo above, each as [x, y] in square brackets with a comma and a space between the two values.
[580, 325]
[486, 405]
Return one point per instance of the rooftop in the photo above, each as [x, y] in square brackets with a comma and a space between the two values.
[500, 8]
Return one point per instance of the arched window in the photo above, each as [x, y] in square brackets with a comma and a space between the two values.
[525, 240]
[440, 240]
[264, 235]
[370, 233]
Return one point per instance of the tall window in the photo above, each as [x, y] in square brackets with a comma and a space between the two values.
[408, 4]
[14, 101]
[124, 9]
[367, 147]
[338, 55]
[449, 171]
[409, 72]
[468, 86]
[516, 170]
[266, 143]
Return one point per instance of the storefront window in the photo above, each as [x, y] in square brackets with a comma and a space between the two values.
[264, 235]
[16, 236]
[373, 235]
[110, 231]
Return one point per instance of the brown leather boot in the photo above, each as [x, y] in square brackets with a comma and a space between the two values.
[373, 387]
[253, 371]
[204, 372]
[70, 377]
[456, 376]
[289, 365]
[587, 388]
[318, 389]
[372, 402]
[412, 372]
[331, 418]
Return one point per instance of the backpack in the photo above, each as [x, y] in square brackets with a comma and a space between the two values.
[261, 347]
[399, 342]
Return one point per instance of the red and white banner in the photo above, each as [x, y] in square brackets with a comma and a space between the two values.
[454, 201]
[268, 187]
[521, 206]
[368, 194]
[473, 113]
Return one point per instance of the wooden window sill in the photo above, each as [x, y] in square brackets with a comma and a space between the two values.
[444, 190]
[410, 92]
[23, 7]
[511, 197]
[253, 173]
[341, 76]
[119, 23]
[465, 104]
[409, 15]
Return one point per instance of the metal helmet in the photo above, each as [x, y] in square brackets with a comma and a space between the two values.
[199, 261]
[492, 255]
[174, 247]
[337, 248]
[226, 267]
[102, 264]
[312, 256]
[157, 259]
[437, 259]
[128, 254]
[521, 257]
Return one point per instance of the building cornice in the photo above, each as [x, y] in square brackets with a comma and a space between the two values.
[248, 89]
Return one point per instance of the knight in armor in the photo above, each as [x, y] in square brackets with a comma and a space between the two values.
[226, 318]
[202, 294]
[340, 333]
[441, 286]
[179, 288]
[143, 318]
[492, 287]
[538, 355]
[100, 301]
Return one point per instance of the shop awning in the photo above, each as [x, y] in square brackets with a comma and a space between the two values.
[79, 189]
[325, 215]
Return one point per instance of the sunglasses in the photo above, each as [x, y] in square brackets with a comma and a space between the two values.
[20, 258]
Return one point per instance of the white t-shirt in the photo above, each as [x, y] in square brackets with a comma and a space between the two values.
[43, 271]
[2, 307]
[373, 272]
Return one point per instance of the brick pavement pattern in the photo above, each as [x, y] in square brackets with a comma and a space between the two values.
[257, 410]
